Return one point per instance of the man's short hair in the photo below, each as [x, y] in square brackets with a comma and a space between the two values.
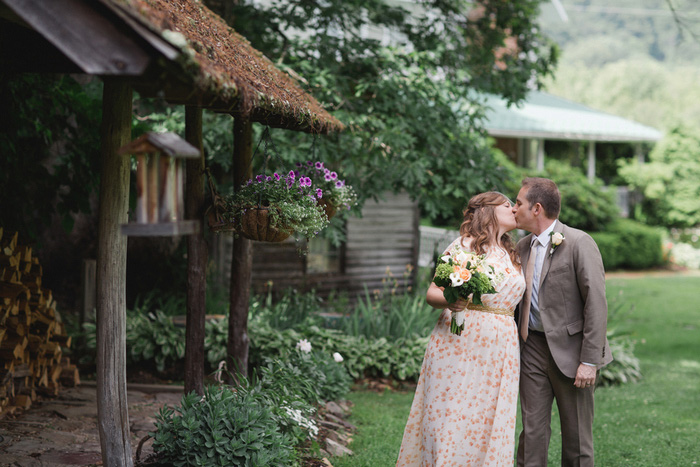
[545, 192]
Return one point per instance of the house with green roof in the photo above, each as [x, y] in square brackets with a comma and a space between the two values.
[521, 131]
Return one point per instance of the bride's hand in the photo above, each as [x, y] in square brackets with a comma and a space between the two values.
[459, 305]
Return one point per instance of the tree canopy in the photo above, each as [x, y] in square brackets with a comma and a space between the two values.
[403, 82]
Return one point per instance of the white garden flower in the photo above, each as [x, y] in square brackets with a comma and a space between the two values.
[337, 357]
[304, 346]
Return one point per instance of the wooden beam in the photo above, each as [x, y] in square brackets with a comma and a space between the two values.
[112, 410]
[241, 258]
[196, 257]
[85, 34]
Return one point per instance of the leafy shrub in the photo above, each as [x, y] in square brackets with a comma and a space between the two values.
[630, 244]
[224, 427]
[154, 336]
[400, 358]
[610, 250]
[584, 205]
[670, 179]
[625, 367]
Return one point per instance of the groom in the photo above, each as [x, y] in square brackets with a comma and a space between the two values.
[562, 323]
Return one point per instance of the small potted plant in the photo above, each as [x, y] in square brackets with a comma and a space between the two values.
[271, 208]
[336, 194]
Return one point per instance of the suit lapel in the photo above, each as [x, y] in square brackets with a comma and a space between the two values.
[525, 253]
[558, 227]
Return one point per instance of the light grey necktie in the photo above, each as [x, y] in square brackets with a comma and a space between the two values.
[525, 309]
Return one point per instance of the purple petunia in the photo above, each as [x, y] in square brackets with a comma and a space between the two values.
[291, 175]
[260, 178]
[277, 177]
[339, 184]
[327, 177]
[319, 193]
[334, 175]
[319, 165]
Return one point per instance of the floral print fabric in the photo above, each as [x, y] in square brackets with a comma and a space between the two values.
[464, 408]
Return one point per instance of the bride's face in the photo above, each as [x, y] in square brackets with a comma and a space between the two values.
[505, 217]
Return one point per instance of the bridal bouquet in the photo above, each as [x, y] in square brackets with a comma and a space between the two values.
[465, 275]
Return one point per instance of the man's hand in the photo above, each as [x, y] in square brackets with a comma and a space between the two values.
[585, 376]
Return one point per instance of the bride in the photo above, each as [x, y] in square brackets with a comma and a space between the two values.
[464, 408]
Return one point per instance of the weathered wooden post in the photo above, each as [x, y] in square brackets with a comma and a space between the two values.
[196, 257]
[112, 410]
[242, 256]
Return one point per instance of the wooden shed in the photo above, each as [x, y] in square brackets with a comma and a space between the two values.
[182, 52]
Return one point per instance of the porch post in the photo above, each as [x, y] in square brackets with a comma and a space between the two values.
[112, 409]
[540, 155]
[196, 257]
[591, 161]
[241, 256]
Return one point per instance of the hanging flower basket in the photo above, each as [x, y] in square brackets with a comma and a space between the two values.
[271, 208]
[336, 194]
[255, 224]
[328, 208]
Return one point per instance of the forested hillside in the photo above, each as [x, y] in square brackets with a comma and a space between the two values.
[634, 58]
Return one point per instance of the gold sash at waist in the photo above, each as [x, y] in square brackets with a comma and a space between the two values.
[488, 309]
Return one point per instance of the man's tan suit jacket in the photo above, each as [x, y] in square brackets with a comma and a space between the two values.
[571, 299]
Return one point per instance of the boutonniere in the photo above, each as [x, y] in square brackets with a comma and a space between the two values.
[557, 238]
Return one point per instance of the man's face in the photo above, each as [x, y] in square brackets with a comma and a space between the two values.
[524, 216]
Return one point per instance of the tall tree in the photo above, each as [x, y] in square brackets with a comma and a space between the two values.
[403, 81]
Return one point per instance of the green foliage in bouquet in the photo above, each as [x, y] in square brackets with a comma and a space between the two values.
[478, 283]
[292, 203]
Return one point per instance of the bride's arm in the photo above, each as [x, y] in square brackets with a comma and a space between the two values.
[436, 299]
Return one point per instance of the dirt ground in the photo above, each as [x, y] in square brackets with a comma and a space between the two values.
[63, 431]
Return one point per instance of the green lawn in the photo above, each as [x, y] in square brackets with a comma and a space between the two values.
[655, 422]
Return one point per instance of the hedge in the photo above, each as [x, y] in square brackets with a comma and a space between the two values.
[627, 244]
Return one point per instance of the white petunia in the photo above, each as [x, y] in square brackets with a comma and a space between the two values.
[337, 357]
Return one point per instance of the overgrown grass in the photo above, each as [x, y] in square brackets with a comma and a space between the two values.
[655, 422]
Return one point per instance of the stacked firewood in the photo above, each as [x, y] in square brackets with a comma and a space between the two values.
[31, 332]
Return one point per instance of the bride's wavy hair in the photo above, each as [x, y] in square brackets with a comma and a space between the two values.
[480, 223]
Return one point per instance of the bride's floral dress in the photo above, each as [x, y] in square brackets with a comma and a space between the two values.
[464, 409]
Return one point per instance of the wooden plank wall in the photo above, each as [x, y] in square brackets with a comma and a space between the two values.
[384, 240]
